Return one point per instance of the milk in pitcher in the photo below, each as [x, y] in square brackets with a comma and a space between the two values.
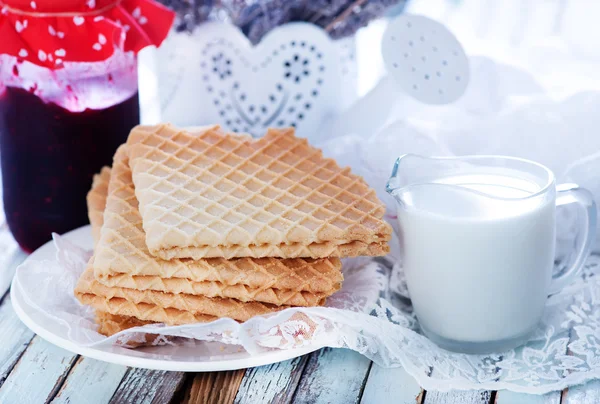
[474, 247]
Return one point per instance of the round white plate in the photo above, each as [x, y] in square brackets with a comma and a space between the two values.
[197, 356]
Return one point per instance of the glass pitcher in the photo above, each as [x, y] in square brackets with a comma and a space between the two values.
[478, 245]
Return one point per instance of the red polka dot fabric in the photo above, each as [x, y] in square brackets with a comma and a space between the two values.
[49, 33]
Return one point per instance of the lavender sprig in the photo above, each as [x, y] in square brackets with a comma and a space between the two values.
[257, 17]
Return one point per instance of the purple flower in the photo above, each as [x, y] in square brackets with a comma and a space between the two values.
[256, 18]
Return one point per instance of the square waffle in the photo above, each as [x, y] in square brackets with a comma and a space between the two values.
[220, 195]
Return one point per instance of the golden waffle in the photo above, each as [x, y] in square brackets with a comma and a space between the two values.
[240, 292]
[216, 195]
[149, 305]
[122, 259]
[142, 311]
[96, 201]
[110, 324]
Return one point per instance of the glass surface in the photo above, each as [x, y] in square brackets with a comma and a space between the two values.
[49, 156]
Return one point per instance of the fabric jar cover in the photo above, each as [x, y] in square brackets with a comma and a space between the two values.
[49, 33]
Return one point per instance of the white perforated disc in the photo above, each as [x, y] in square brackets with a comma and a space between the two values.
[425, 59]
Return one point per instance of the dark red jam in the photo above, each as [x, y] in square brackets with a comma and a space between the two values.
[49, 156]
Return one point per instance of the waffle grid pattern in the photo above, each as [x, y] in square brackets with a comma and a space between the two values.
[218, 307]
[142, 311]
[240, 292]
[212, 190]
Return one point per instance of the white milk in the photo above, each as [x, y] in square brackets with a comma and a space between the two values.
[478, 266]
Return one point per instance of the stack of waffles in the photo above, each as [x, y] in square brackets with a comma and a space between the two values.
[194, 226]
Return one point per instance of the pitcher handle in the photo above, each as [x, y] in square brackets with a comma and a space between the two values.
[392, 183]
[568, 194]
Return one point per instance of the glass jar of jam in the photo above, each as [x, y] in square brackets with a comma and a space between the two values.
[68, 99]
[49, 153]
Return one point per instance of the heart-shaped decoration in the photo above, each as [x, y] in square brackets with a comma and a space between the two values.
[216, 76]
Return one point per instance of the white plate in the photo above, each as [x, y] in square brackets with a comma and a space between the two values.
[193, 357]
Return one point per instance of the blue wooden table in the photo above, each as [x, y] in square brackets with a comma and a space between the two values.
[35, 371]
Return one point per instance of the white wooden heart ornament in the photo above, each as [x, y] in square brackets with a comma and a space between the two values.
[291, 78]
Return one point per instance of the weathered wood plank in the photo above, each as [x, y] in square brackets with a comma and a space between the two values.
[509, 397]
[391, 386]
[588, 393]
[38, 375]
[214, 387]
[458, 397]
[274, 383]
[90, 381]
[148, 386]
[14, 338]
[333, 375]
